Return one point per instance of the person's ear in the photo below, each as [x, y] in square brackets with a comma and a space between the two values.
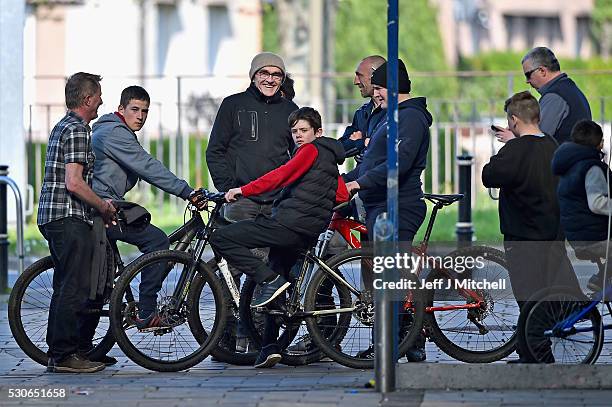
[319, 133]
[121, 109]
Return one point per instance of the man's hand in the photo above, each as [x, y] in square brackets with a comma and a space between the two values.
[196, 198]
[108, 213]
[352, 187]
[503, 135]
[232, 194]
[356, 135]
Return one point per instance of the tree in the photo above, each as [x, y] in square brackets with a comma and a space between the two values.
[602, 26]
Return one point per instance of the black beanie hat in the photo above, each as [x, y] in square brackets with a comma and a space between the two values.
[379, 77]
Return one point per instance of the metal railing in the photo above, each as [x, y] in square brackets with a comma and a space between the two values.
[4, 181]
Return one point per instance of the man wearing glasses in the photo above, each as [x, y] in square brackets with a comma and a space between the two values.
[249, 138]
[562, 103]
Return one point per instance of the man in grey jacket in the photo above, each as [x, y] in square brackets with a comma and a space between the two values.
[120, 162]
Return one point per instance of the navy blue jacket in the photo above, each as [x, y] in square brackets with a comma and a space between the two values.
[371, 174]
[571, 163]
[366, 120]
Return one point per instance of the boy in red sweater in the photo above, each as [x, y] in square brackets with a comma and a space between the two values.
[311, 186]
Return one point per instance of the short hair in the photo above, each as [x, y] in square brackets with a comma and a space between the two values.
[133, 92]
[306, 113]
[524, 106]
[587, 133]
[542, 56]
[286, 88]
[373, 61]
[79, 86]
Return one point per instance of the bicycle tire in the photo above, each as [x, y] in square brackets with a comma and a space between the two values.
[122, 312]
[462, 340]
[554, 305]
[31, 335]
[290, 358]
[220, 353]
[334, 345]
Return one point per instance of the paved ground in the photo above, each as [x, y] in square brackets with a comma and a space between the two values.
[213, 383]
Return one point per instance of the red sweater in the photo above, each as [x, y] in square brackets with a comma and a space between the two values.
[290, 172]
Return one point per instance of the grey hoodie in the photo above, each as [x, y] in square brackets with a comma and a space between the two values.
[121, 162]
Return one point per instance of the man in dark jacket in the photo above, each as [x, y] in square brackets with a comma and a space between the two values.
[369, 116]
[120, 162]
[310, 185]
[370, 177]
[250, 137]
[562, 103]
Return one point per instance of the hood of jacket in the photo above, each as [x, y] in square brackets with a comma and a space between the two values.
[569, 153]
[332, 145]
[420, 104]
[112, 120]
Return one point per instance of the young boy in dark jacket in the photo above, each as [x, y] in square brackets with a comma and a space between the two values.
[528, 208]
[311, 186]
[583, 192]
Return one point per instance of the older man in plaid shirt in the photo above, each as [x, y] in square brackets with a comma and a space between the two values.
[65, 221]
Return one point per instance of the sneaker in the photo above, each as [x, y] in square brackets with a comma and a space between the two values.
[74, 363]
[268, 356]
[416, 354]
[242, 344]
[269, 291]
[107, 360]
[366, 353]
[154, 322]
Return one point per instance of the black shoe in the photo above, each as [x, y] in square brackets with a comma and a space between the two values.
[74, 363]
[107, 360]
[268, 356]
[269, 291]
[416, 354]
[366, 353]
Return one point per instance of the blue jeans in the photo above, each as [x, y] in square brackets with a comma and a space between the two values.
[148, 240]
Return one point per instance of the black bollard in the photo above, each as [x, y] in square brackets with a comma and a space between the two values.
[464, 227]
[4, 243]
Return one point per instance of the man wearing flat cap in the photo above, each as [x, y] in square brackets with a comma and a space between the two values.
[249, 138]
[370, 177]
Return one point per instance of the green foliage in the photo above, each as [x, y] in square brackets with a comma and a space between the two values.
[270, 33]
[364, 23]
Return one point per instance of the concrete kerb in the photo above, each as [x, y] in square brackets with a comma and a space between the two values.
[500, 376]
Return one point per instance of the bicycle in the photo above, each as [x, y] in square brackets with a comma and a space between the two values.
[486, 333]
[30, 298]
[562, 325]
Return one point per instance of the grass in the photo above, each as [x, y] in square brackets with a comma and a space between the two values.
[484, 218]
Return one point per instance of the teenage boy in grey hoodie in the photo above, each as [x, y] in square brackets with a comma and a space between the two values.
[120, 162]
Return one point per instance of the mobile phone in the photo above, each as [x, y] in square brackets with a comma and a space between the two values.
[496, 128]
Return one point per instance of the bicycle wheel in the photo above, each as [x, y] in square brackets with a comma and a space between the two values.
[298, 349]
[174, 347]
[482, 334]
[222, 352]
[544, 343]
[28, 314]
[349, 339]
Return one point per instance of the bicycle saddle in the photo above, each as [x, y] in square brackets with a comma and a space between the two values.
[443, 199]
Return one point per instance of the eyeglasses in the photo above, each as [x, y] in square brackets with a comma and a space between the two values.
[264, 75]
[528, 73]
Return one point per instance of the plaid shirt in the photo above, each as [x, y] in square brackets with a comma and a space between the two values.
[69, 142]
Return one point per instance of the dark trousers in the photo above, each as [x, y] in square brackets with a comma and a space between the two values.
[148, 240]
[72, 244]
[233, 242]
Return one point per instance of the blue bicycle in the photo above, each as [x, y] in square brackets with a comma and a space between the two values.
[565, 326]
